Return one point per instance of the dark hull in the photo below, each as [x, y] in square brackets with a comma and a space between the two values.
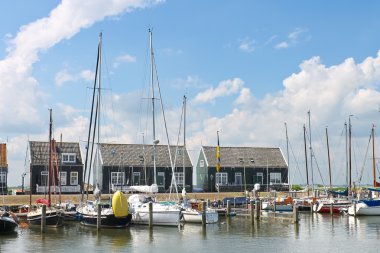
[7, 225]
[109, 221]
[53, 219]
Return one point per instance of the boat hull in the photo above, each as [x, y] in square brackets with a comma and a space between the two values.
[193, 216]
[160, 217]
[326, 208]
[7, 225]
[364, 210]
[54, 217]
[107, 221]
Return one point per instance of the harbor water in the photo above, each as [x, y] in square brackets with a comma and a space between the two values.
[314, 233]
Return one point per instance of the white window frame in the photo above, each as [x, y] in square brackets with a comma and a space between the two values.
[179, 178]
[68, 158]
[117, 178]
[63, 177]
[44, 174]
[74, 177]
[221, 178]
[275, 178]
[237, 175]
[3, 177]
[201, 163]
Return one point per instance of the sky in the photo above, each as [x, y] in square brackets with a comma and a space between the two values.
[245, 66]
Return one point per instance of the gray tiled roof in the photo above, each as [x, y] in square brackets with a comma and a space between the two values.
[39, 151]
[133, 154]
[245, 156]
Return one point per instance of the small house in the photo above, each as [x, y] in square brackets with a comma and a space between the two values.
[66, 159]
[241, 168]
[123, 165]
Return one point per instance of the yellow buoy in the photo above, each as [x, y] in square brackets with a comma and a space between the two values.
[119, 204]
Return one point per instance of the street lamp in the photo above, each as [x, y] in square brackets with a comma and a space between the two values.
[23, 176]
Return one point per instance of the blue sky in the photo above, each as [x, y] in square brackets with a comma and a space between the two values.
[246, 67]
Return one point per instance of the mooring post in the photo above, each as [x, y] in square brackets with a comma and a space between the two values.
[204, 209]
[274, 206]
[295, 214]
[234, 202]
[228, 213]
[43, 219]
[252, 204]
[331, 208]
[208, 203]
[354, 208]
[257, 209]
[150, 214]
[99, 217]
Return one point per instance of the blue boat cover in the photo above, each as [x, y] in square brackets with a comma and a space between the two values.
[374, 189]
[344, 193]
[369, 202]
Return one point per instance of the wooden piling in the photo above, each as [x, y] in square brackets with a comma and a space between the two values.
[331, 208]
[252, 211]
[150, 214]
[234, 202]
[204, 209]
[99, 217]
[295, 214]
[354, 208]
[257, 209]
[43, 219]
[228, 212]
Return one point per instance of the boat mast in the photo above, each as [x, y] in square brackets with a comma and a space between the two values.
[373, 156]
[153, 116]
[349, 154]
[287, 152]
[184, 142]
[307, 171]
[311, 156]
[328, 157]
[50, 160]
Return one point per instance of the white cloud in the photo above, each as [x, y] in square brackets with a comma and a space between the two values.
[190, 81]
[123, 58]
[244, 97]
[87, 75]
[171, 51]
[295, 37]
[225, 88]
[63, 77]
[247, 45]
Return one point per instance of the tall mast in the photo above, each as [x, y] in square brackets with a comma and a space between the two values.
[50, 160]
[373, 156]
[311, 155]
[307, 171]
[328, 157]
[153, 98]
[287, 152]
[346, 133]
[349, 154]
[184, 142]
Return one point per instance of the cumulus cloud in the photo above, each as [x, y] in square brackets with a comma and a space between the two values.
[123, 58]
[225, 88]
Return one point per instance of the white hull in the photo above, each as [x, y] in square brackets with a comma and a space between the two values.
[364, 210]
[280, 208]
[163, 215]
[194, 216]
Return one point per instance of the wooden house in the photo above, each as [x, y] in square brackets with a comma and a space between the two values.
[123, 165]
[66, 157]
[241, 168]
[3, 169]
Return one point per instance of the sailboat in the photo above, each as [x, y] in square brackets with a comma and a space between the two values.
[368, 207]
[54, 216]
[8, 222]
[115, 213]
[163, 213]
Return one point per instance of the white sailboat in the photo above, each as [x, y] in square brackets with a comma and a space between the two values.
[163, 214]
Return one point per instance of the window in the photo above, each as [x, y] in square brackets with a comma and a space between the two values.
[238, 177]
[275, 178]
[179, 151]
[3, 177]
[202, 163]
[44, 178]
[221, 178]
[74, 178]
[68, 158]
[117, 178]
[136, 178]
[62, 177]
[179, 178]
[161, 179]
[258, 178]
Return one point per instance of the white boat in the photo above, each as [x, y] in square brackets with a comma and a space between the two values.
[365, 208]
[191, 215]
[163, 214]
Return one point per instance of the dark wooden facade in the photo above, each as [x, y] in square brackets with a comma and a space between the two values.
[241, 168]
[3, 169]
[134, 161]
[68, 160]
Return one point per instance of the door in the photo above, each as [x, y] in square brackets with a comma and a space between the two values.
[161, 179]
[258, 178]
